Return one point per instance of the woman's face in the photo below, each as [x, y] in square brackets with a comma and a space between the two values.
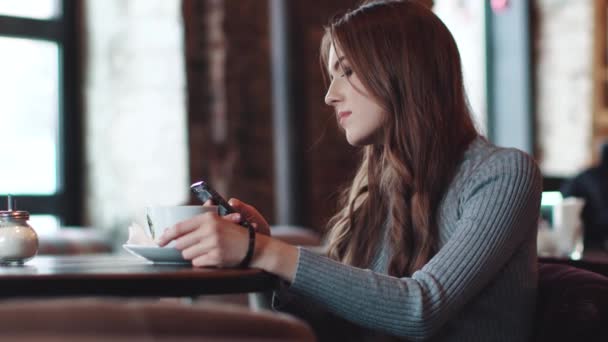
[359, 115]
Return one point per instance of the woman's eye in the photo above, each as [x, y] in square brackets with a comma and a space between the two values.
[347, 72]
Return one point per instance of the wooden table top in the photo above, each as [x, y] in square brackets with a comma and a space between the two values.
[125, 276]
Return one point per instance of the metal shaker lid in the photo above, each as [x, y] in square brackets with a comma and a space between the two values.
[12, 213]
[15, 214]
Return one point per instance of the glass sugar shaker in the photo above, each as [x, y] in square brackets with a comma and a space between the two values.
[18, 240]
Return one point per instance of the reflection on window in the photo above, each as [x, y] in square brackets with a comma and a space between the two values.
[29, 115]
[35, 9]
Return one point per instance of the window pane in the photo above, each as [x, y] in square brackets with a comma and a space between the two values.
[29, 116]
[44, 224]
[36, 9]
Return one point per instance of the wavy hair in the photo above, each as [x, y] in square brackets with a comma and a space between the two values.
[408, 62]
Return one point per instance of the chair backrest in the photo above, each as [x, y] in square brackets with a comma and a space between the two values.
[296, 235]
[572, 304]
[97, 319]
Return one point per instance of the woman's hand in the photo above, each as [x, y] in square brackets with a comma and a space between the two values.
[209, 240]
[252, 215]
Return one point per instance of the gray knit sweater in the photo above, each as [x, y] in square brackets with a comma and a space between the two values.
[480, 286]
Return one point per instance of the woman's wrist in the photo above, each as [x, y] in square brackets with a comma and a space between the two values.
[250, 247]
[276, 257]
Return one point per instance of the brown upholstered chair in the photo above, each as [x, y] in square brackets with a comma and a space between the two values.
[296, 235]
[572, 304]
[107, 319]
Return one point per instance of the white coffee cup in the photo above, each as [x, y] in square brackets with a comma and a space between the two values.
[159, 218]
[568, 226]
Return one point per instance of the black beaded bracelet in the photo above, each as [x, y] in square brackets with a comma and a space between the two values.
[250, 247]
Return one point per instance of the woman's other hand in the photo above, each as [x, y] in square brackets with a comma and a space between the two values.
[219, 241]
[250, 214]
[209, 240]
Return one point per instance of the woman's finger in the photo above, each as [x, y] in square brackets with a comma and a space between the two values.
[239, 206]
[197, 250]
[204, 260]
[246, 210]
[190, 239]
[182, 228]
[234, 217]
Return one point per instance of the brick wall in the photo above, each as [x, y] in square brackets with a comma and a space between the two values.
[229, 85]
[231, 38]
[229, 98]
[329, 162]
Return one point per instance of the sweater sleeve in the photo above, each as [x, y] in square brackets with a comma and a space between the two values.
[499, 206]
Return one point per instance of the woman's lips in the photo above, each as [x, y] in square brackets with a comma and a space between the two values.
[343, 115]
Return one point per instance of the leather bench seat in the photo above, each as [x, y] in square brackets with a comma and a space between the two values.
[109, 319]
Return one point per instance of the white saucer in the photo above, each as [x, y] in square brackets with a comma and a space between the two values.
[158, 255]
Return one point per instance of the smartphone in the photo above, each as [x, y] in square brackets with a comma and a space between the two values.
[205, 192]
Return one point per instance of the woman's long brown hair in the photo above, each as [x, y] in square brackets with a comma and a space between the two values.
[408, 62]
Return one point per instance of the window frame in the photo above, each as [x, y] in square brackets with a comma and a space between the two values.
[66, 203]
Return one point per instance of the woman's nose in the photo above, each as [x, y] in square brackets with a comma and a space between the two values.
[332, 97]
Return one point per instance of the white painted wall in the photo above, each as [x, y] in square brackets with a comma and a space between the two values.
[135, 110]
[564, 78]
[466, 21]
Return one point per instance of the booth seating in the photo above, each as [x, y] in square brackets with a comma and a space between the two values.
[572, 304]
[74, 240]
[97, 319]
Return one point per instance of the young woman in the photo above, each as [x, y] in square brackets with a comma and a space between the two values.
[437, 235]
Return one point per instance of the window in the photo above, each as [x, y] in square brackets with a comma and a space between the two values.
[466, 21]
[38, 110]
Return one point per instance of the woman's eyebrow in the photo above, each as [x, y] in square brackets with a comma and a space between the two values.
[337, 63]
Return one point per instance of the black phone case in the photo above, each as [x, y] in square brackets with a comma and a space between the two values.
[204, 192]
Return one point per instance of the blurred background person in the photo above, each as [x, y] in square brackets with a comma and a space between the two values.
[592, 186]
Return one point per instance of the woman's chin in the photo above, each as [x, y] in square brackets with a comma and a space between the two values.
[356, 141]
[350, 139]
